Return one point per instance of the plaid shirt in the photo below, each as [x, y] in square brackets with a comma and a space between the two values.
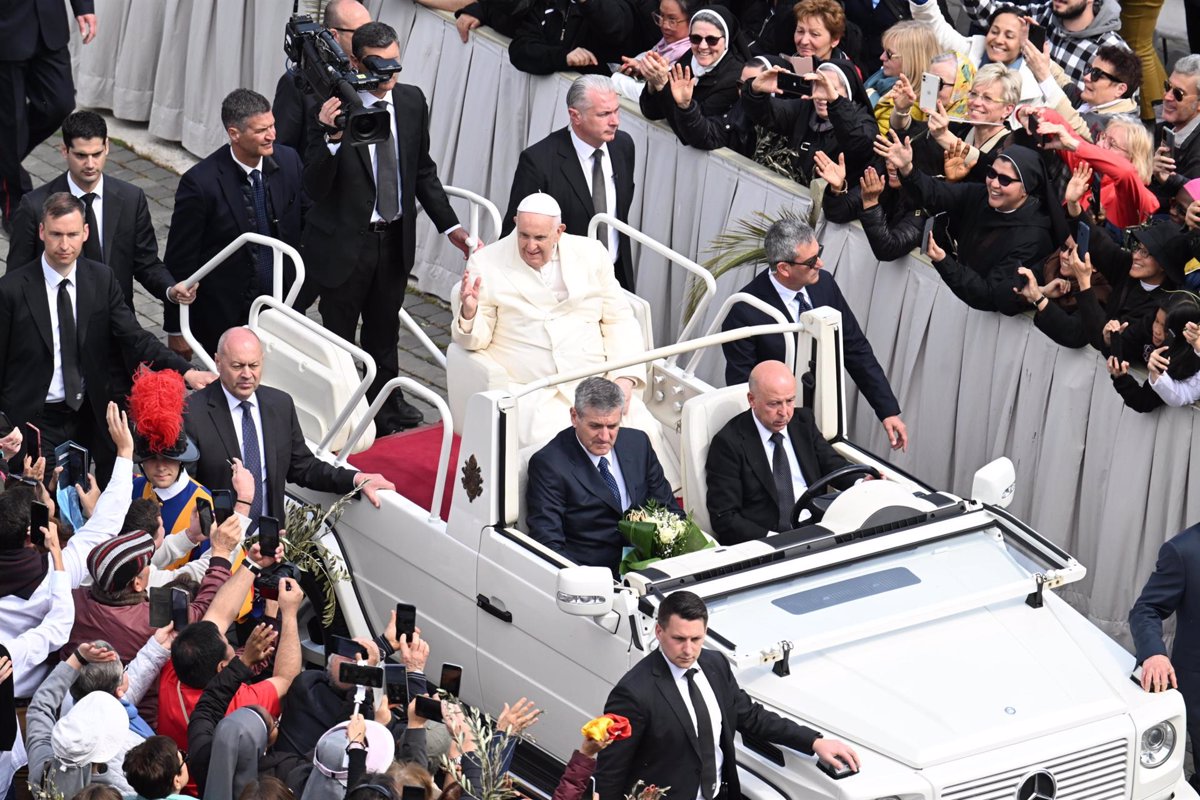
[1071, 53]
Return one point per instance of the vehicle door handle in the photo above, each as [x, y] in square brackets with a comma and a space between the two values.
[499, 613]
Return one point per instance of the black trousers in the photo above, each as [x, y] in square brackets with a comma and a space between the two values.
[58, 424]
[374, 291]
[35, 97]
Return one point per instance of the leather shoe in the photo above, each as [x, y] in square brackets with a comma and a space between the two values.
[404, 413]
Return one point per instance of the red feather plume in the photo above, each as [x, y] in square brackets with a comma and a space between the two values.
[156, 406]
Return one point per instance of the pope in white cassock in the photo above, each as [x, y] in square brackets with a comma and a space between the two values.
[540, 302]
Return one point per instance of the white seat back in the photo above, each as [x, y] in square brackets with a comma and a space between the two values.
[703, 416]
[319, 376]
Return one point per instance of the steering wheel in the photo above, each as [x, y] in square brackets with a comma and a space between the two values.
[817, 487]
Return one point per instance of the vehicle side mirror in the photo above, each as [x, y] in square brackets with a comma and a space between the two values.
[995, 483]
[585, 591]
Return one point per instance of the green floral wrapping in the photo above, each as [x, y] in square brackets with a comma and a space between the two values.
[655, 533]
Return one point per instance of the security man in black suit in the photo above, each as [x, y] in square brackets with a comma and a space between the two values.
[120, 232]
[795, 283]
[360, 239]
[764, 459]
[684, 708]
[566, 163]
[36, 90]
[250, 185]
[59, 317]
[295, 104]
[1169, 591]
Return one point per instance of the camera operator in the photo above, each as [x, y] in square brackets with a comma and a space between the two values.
[295, 103]
[360, 237]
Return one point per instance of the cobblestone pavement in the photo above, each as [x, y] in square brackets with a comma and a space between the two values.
[159, 184]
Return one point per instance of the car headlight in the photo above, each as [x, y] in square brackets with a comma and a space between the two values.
[1158, 742]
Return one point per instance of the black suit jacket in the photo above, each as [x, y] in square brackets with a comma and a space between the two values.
[743, 355]
[1169, 592]
[24, 22]
[130, 246]
[211, 210]
[343, 187]
[742, 501]
[571, 509]
[663, 749]
[102, 322]
[295, 111]
[552, 166]
[285, 453]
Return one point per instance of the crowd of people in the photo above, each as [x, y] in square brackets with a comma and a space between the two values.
[1044, 163]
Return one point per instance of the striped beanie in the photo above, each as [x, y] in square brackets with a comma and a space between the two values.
[116, 562]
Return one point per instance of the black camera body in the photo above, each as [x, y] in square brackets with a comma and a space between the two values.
[267, 582]
[328, 72]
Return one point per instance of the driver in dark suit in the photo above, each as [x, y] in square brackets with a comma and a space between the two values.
[684, 707]
[755, 478]
[584, 480]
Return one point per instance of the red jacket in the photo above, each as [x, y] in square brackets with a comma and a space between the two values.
[575, 779]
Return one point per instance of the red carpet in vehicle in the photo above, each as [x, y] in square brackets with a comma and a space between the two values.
[409, 460]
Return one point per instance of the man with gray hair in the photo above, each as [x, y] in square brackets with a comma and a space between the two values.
[1178, 156]
[585, 479]
[587, 167]
[795, 283]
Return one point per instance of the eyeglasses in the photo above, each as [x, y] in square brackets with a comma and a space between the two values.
[344, 30]
[659, 19]
[711, 41]
[1108, 143]
[890, 55]
[1095, 73]
[1174, 91]
[182, 761]
[1003, 180]
[1140, 251]
[810, 263]
[974, 95]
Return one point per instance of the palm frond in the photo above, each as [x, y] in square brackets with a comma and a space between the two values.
[490, 749]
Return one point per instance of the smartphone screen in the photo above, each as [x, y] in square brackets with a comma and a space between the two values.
[33, 441]
[179, 609]
[268, 535]
[396, 678]
[347, 647]
[359, 675]
[81, 463]
[160, 606]
[39, 517]
[204, 511]
[1168, 139]
[1037, 36]
[802, 65]
[222, 502]
[930, 86]
[406, 620]
[451, 682]
[1083, 237]
[429, 708]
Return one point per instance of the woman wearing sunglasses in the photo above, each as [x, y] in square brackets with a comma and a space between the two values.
[1012, 220]
[703, 83]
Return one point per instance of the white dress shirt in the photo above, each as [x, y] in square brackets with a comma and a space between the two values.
[714, 711]
[18, 615]
[584, 151]
[258, 166]
[788, 296]
[97, 206]
[58, 391]
[236, 412]
[798, 484]
[614, 469]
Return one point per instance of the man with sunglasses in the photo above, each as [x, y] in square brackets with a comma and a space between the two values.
[295, 104]
[1178, 156]
[795, 283]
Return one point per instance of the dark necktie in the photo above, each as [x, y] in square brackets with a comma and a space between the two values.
[704, 733]
[262, 224]
[252, 459]
[610, 480]
[782, 473]
[91, 248]
[804, 304]
[387, 174]
[68, 344]
[599, 197]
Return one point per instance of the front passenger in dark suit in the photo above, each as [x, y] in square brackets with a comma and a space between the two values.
[684, 707]
[754, 479]
[564, 166]
[795, 273]
[1169, 591]
[585, 479]
[217, 201]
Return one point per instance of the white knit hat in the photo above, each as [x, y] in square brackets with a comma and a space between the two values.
[92, 732]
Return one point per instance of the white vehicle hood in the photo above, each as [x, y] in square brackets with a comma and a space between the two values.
[961, 685]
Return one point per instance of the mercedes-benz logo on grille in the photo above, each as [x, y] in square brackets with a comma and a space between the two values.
[1038, 785]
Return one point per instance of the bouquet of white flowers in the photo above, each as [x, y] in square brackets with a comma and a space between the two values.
[656, 532]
